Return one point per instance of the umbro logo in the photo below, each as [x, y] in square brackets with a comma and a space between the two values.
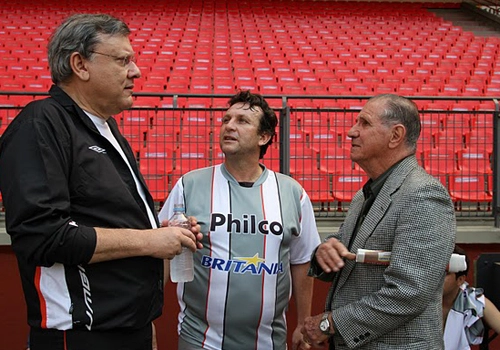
[97, 149]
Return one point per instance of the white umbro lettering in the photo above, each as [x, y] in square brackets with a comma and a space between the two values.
[87, 295]
[97, 149]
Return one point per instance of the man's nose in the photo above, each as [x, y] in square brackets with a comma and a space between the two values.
[134, 71]
[352, 133]
[230, 124]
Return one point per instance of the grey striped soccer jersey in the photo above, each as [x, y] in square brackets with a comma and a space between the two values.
[242, 279]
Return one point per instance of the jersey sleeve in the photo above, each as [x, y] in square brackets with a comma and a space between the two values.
[176, 196]
[303, 245]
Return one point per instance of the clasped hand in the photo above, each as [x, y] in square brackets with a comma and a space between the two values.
[170, 240]
[312, 335]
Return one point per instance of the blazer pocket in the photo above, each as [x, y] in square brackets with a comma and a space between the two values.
[420, 345]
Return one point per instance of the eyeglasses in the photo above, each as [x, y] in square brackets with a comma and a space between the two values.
[123, 60]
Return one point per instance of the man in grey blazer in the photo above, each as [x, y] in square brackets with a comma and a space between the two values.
[401, 210]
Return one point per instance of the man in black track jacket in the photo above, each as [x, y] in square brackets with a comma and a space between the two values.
[82, 222]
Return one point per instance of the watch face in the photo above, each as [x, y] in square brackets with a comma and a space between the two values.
[324, 326]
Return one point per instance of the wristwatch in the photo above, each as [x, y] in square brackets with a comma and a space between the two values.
[325, 325]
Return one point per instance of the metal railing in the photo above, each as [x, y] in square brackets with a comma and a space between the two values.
[172, 134]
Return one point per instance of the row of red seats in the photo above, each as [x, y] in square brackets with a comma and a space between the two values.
[361, 89]
[436, 116]
[343, 28]
[449, 40]
[326, 152]
[463, 187]
[480, 142]
[334, 70]
[262, 9]
[309, 85]
[336, 180]
[435, 161]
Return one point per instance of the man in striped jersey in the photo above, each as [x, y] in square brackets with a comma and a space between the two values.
[259, 233]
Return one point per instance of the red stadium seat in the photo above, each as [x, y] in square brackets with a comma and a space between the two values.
[438, 162]
[408, 89]
[345, 186]
[429, 90]
[200, 85]
[190, 157]
[475, 160]
[303, 158]
[162, 136]
[458, 123]
[480, 138]
[338, 89]
[465, 106]
[439, 106]
[292, 88]
[224, 88]
[156, 167]
[473, 90]
[427, 140]
[450, 139]
[323, 136]
[467, 187]
[317, 185]
[270, 89]
[451, 90]
[336, 160]
[134, 125]
[272, 158]
[341, 122]
[492, 90]
[385, 88]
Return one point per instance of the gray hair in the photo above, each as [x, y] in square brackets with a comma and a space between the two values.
[401, 110]
[79, 33]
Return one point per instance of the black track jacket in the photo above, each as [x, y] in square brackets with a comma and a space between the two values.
[59, 178]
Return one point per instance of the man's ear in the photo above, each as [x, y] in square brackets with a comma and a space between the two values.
[398, 134]
[79, 65]
[461, 279]
[264, 138]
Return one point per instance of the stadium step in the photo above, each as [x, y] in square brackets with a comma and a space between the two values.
[470, 21]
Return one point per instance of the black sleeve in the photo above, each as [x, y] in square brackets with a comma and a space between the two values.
[317, 272]
[35, 162]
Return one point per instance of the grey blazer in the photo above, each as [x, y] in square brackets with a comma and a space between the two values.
[396, 306]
